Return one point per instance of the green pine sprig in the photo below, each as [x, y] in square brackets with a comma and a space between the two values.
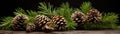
[85, 7]
[19, 11]
[46, 9]
[65, 11]
[6, 24]
[29, 13]
[108, 21]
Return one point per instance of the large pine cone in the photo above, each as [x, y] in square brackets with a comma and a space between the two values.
[78, 17]
[30, 27]
[18, 22]
[59, 22]
[40, 21]
[93, 16]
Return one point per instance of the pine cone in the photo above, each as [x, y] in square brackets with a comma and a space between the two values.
[93, 16]
[30, 27]
[78, 17]
[59, 22]
[49, 27]
[18, 22]
[40, 21]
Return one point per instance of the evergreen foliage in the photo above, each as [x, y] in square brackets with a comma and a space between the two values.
[46, 9]
[63, 10]
[30, 13]
[6, 24]
[108, 20]
[85, 7]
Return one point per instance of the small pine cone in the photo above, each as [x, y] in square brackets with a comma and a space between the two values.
[18, 22]
[93, 16]
[40, 21]
[78, 17]
[30, 27]
[49, 27]
[59, 22]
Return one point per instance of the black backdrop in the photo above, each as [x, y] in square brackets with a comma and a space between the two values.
[7, 6]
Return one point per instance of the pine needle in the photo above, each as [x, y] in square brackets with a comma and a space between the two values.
[45, 8]
[6, 24]
[85, 7]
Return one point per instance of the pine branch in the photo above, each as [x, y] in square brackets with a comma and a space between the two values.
[108, 20]
[66, 12]
[6, 24]
[85, 7]
[30, 20]
[20, 11]
[26, 12]
[46, 9]
[32, 13]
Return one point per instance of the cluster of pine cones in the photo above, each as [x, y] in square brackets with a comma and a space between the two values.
[92, 16]
[41, 23]
[56, 22]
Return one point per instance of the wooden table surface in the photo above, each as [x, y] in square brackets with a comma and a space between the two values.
[65, 32]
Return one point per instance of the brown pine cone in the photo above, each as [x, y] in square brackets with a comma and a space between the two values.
[59, 22]
[18, 22]
[93, 16]
[30, 27]
[78, 17]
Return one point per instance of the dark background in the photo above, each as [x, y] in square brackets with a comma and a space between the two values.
[8, 6]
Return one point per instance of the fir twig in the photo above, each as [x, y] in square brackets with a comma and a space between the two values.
[66, 12]
[46, 9]
[19, 11]
[108, 21]
[6, 24]
[85, 7]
